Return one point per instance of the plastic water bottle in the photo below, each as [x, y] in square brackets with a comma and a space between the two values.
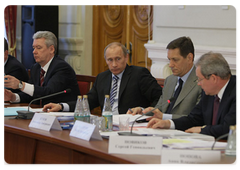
[78, 112]
[231, 145]
[107, 114]
[86, 109]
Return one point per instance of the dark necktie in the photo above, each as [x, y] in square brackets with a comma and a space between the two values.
[114, 89]
[42, 72]
[215, 109]
[177, 92]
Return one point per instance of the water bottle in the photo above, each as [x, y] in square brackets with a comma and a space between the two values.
[231, 145]
[78, 112]
[86, 109]
[107, 114]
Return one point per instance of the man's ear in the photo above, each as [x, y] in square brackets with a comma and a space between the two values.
[190, 57]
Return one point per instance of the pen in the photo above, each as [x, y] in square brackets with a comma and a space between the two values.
[130, 110]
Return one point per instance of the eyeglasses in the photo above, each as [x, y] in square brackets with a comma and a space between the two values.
[198, 80]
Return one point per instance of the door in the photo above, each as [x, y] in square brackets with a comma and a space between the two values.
[128, 25]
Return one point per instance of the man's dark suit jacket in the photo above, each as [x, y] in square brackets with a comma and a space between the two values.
[202, 114]
[16, 69]
[138, 88]
[60, 76]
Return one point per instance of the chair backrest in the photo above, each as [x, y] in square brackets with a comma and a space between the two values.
[85, 83]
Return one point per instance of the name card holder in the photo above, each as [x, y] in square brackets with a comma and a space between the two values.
[44, 122]
[142, 145]
[85, 131]
[172, 156]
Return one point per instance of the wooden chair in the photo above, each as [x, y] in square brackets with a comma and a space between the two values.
[85, 83]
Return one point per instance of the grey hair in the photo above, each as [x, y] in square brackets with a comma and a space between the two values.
[124, 49]
[50, 38]
[214, 63]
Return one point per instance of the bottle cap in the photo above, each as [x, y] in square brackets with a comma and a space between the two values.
[106, 96]
[79, 96]
[233, 127]
[85, 96]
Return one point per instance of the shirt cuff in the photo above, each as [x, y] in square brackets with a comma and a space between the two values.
[65, 107]
[17, 99]
[172, 125]
[166, 116]
[28, 89]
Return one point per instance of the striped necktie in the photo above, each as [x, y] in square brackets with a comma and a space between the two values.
[42, 77]
[113, 92]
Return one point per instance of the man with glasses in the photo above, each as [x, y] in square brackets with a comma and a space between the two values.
[216, 110]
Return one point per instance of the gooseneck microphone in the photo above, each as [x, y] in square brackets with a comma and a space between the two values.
[23, 114]
[150, 113]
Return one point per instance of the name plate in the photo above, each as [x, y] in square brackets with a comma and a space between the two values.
[85, 131]
[189, 156]
[44, 122]
[142, 145]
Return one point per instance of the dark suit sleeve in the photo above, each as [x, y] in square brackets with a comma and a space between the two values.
[202, 114]
[60, 76]
[149, 87]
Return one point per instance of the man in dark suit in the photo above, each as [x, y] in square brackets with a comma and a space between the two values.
[56, 75]
[216, 110]
[13, 67]
[135, 86]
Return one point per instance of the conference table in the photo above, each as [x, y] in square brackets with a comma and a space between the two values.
[25, 145]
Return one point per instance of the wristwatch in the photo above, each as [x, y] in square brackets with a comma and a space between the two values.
[20, 85]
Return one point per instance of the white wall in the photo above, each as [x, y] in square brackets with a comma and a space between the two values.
[211, 28]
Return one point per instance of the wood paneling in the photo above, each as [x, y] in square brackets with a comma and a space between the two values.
[125, 24]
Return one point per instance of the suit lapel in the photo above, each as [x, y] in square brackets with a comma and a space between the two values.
[187, 88]
[108, 84]
[125, 77]
[224, 100]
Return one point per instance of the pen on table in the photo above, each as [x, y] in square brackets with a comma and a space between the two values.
[130, 110]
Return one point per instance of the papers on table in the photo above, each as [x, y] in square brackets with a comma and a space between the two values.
[12, 111]
[192, 144]
[131, 120]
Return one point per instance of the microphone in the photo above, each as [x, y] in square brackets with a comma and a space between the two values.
[23, 114]
[150, 113]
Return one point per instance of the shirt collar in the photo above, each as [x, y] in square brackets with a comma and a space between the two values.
[5, 62]
[119, 75]
[45, 68]
[185, 77]
[220, 93]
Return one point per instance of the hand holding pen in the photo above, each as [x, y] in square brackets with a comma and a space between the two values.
[134, 111]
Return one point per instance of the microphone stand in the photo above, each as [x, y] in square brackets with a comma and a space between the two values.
[135, 134]
[150, 113]
[26, 114]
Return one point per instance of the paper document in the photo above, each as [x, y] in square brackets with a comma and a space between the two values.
[192, 144]
[12, 111]
[132, 118]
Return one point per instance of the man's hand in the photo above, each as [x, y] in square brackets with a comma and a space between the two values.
[134, 111]
[157, 113]
[158, 123]
[52, 107]
[11, 82]
[196, 129]
[9, 96]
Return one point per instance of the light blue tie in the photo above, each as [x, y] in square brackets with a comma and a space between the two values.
[114, 89]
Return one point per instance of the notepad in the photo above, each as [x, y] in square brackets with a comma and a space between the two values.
[12, 111]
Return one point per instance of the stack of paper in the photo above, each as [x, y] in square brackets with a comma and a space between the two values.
[132, 118]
